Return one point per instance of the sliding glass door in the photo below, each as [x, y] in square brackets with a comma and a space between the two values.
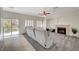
[7, 27]
[15, 26]
[10, 27]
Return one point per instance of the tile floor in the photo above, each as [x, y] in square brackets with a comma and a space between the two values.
[18, 43]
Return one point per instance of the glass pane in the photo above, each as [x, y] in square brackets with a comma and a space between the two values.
[15, 26]
[7, 27]
[29, 23]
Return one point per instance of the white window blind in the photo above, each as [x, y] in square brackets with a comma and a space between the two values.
[41, 23]
[29, 23]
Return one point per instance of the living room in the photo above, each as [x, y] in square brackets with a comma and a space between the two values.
[39, 23]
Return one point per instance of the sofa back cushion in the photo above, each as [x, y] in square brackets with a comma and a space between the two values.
[30, 32]
[41, 36]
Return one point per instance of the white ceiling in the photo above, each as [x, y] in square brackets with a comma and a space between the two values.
[26, 10]
[36, 10]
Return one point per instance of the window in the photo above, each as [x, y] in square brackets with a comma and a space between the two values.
[29, 23]
[38, 23]
[7, 27]
[15, 26]
[41, 23]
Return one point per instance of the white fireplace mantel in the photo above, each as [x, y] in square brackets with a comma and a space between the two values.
[64, 26]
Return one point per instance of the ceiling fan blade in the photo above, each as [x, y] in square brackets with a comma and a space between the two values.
[48, 13]
[44, 13]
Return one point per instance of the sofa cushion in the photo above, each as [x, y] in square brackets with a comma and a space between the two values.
[41, 36]
[30, 32]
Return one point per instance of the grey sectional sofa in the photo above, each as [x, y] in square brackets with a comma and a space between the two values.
[47, 39]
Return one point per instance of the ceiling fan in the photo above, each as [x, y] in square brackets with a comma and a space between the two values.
[44, 13]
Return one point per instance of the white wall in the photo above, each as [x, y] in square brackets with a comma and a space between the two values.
[70, 18]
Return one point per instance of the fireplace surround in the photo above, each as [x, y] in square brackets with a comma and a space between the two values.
[62, 29]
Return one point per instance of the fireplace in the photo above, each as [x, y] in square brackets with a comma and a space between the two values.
[61, 30]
